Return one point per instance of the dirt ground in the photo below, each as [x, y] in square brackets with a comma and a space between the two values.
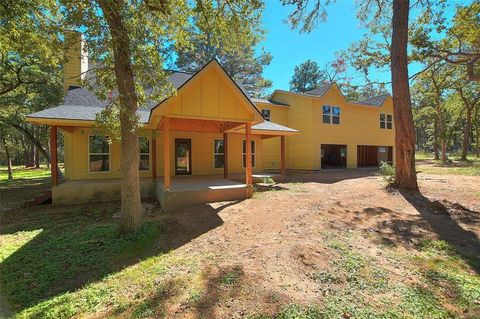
[260, 254]
[277, 239]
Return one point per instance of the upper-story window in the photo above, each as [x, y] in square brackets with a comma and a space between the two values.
[331, 114]
[386, 121]
[266, 114]
[144, 146]
[98, 154]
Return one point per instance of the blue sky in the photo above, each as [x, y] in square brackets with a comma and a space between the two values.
[290, 48]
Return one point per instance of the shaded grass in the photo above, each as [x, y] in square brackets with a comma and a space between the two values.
[470, 167]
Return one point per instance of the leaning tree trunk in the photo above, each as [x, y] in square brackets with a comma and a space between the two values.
[436, 155]
[131, 210]
[8, 158]
[466, 134]
[405, 175]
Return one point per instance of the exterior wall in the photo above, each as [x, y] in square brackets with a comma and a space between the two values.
[67, 154]
[271, 146]
[359, 125]
[299, 147]
[76, 163]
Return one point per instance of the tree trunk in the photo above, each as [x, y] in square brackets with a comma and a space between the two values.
[8, 158]
[405, 175]
[436, 156]
[131, 207]
[466, 134]
[443, 141]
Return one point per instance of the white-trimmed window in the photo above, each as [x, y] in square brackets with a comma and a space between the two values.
[266, 114]
[144, 147]
[244, 150]
[218, 153]
[331, 114]
[98, 154]
[386, 121]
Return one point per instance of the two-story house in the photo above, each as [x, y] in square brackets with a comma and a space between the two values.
[334, 132]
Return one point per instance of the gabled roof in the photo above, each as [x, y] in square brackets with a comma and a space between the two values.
[374, 101]
[320, 90]
[270, 126]
[81, 104]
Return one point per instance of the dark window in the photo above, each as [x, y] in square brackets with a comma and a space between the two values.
[218, 154]
[266, 114]
[244, 151]
[331, 114]
[98, 154]
[386, 121]
[144, 146]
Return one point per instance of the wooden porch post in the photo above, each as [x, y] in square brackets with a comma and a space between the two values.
[154, 155]
[53, 155]
[282, 156]
[225, 155]
[166, 154]
[248, 159]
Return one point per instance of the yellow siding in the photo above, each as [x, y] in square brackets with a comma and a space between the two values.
[202, 155]
[211, 97]
[271, 146]
[299, 147]
[359, 125]
[67, 151]
[77, 61]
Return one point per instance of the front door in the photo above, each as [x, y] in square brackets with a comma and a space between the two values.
[183, 156]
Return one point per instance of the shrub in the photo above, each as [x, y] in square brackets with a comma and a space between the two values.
[387, 171]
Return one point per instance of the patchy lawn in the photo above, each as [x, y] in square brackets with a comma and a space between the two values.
[321, 245]
[426, 164]
[26, 184]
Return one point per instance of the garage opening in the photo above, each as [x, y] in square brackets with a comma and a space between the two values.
[334, 156]
[370, 156]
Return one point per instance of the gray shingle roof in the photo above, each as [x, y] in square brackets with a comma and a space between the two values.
[270, 126]
[255, 100]
[374, 101]
[319, 90]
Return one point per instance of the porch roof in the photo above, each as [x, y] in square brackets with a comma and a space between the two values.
[268, 128]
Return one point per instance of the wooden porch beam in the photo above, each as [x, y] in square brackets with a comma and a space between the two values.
[53, 155]
[154, 155]
[225, 155]
[166, 154]
[248, 159]
[282, 156]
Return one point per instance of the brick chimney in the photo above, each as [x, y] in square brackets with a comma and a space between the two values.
[76, 64]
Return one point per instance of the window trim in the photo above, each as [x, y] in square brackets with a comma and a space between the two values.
[331, 115]
[149, 154]
[254, 154]
[88, 155]
[385, 121]
[218, 139]
[269, 115]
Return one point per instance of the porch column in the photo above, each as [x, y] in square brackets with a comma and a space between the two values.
[282, 156]
[248, 159]
[154, 155]
[166, 154]
[53, 155]
[225, 155]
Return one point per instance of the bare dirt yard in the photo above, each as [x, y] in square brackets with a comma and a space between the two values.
[319, 245]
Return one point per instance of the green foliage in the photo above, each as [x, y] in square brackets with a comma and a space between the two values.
[236, 53]
[306, 76]
[387, 172]
[268, 180]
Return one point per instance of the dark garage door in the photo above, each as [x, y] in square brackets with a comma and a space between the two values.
[334, 156]
[368, 155]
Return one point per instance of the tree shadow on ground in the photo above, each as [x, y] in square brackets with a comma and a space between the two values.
[330, 176]
[68, 247]
[441, 218]
[15, 193]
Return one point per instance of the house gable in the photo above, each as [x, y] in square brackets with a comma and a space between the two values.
[210, 95]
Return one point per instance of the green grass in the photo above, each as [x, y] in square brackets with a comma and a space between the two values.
[471, 167]
[23, 175]
[57, 265]
[358, 286]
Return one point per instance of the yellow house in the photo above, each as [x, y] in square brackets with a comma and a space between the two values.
[210, 140]
[334, 132]
[203, 144]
